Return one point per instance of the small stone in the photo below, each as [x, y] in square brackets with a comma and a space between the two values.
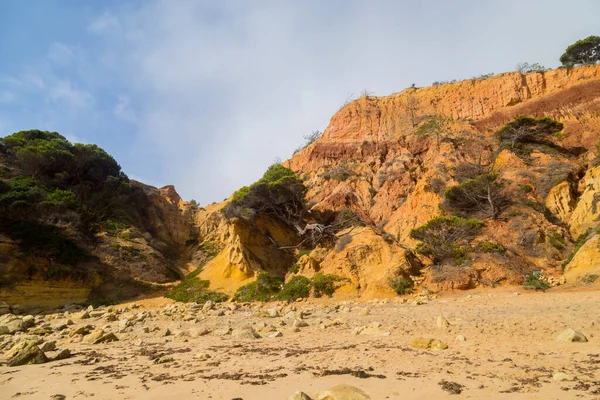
[275, 334]
[299, 396]
[164, 360]
[203, 356]
[441, 322]
[342, 392]
[461, 338]
[222, 332]
[561, 377]
[197, 332]
[299, 324]
[208, 305]
[167, 332]
[571, 335]
[428, 344]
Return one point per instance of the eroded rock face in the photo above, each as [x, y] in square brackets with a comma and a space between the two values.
[561, 201]
[586, 261]
[586, 214]
[371, 160]
[249, 249]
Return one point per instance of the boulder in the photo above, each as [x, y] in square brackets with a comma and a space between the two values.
[571, 335]
[26, 354]
[245, 332]
[99, 336]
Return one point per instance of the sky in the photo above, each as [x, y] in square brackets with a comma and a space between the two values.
[205, 95]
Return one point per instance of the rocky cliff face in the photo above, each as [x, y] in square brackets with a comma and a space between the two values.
[370, 159]
[118, 265]
[373, 160]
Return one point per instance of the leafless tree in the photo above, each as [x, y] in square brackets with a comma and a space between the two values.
[412, 106]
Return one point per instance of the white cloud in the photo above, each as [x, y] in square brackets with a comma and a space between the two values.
[62, 91]
[106, 23]
[123, 109]
[217, 90]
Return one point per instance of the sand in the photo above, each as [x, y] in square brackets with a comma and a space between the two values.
[510, 352]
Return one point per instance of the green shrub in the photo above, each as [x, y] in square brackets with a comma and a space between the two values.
[298, 287]
[487, 246]
[264, 288]
[303, 253]
[556, 240]
[324, 284]
[446, 238]
[401, 285]
[526, 129]
[481, 195]
[194, 289]
[294, 269]
[533, 281]
[64, 198]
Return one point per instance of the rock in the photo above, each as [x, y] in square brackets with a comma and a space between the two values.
[57, 397]
[82, 330]
[460, 338]
[299, 324]
[275, 334]
[60, 355]
[203, 356]
[273, 312]
[222, 331]
[197, 332]
[372, 331]
[99, 336]
[167, 332]
[245, 332]
[15, 325]
[571, 335]
[48, 346]
[164, 360]
[217, 313]
[208, 305]
[27, 354]
[428, 344]
[441, 322]
[82, 315]
[4, 330]
[28, 321]
[561, 377]
[342, 392]
[299, 396]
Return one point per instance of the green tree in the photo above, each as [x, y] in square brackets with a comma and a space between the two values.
[527, 130]
[585, 51]
[479, 196]
[445, 238]
[438, 126]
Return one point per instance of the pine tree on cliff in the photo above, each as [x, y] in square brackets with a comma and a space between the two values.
[585, 51]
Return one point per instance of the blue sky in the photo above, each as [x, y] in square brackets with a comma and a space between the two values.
[206, 94]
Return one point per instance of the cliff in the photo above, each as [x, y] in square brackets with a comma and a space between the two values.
[372, 160]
